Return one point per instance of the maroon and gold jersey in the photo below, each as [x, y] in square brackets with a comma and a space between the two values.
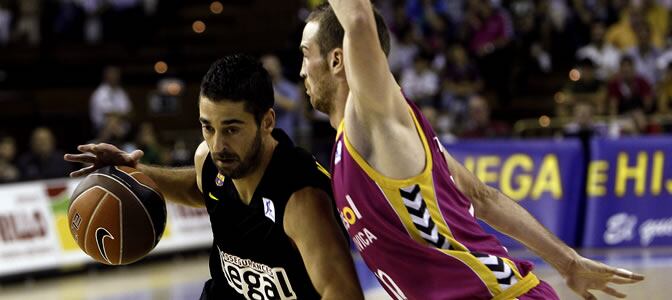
[419, 235]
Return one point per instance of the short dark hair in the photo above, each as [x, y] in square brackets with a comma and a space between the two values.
[331, 33]
[239, 78]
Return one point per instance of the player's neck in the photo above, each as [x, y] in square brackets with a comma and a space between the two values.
[248, 184]
[338, 112]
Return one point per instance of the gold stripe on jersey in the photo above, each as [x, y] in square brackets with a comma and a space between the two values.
[519, 289]
[390, 188]
[322, 169]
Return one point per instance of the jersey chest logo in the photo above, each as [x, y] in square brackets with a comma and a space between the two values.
[219, 180]
[256, 281]
[269, 209]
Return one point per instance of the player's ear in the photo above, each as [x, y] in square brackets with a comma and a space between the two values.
[268, 121]
[336, 61]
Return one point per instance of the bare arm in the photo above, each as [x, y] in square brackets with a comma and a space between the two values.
[176, 184]
[309, 221]
[369, 77]
[507, 216]
[376, 112]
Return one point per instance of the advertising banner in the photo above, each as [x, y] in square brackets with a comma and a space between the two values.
[629, 193]
[544, 176]
[35, 235]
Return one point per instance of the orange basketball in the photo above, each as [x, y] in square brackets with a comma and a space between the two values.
[117, 215]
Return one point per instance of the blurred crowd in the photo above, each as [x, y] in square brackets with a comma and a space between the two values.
[462, 61]
[32, 22]
[458, 58]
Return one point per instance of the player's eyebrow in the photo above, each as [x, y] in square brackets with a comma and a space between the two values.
[232, 121]
[223, 122]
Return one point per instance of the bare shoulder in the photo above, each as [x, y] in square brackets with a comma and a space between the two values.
[305, 203]
[390, 143]
[199, 159]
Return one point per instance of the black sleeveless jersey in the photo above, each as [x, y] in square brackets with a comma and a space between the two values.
[251, 256]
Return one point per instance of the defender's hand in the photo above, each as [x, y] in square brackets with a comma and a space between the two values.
[101, 155]
[585, 274]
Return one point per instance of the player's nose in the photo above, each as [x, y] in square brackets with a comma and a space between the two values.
[219, 144]
[302, 73]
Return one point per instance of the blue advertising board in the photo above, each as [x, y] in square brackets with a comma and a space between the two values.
[629, 193]
[544, 176]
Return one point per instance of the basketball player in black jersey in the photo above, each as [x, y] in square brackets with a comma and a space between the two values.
[275, 234]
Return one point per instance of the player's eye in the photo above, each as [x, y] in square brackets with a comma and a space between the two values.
[232, 130]
[208, 128]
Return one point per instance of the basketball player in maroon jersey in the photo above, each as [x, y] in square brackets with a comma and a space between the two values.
[411, 208]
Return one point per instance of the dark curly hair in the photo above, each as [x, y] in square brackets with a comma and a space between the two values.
[239, 78]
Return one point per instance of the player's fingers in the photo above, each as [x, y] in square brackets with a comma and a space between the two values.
[86, 148]
[621, 280]
[82, 171]
[81, 158]
[588, 296]
[613, 292]
[627, 274]
[136, 155]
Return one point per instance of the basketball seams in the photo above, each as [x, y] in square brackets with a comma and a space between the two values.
[83, 193]
[138, 181]
[149, 217]
[122, 175]
[121, 232]
[91, 217]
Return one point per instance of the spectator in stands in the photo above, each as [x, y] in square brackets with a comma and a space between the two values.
[461, 80]
[629, 92]
[420, 83]
[583, 124]
[604, 55]
[147, 141]
[93, 23]
[492, 34]
[113, 132]
[8, 171]
[403, 50]
[43, 161]
[664, 92]
[109, 98]
[288, 108]
[657, 17]
[180, 155]
[5, 21]
[432, 18]
[604, 11]
[624, 33]
[167, 98]
[28, 22]
[587, 89]
[645, 55]
[479, 124]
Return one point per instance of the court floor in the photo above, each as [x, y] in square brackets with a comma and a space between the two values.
[181, 278]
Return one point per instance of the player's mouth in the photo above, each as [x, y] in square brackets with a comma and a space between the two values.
[227, 161]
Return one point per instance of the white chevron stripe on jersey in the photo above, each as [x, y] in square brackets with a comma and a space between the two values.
[424, 221]
[421, 218]
[502, 271]
[433, 237]
[414, 203]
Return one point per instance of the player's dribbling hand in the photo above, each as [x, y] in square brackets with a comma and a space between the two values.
[101, 155]
[585, 274]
